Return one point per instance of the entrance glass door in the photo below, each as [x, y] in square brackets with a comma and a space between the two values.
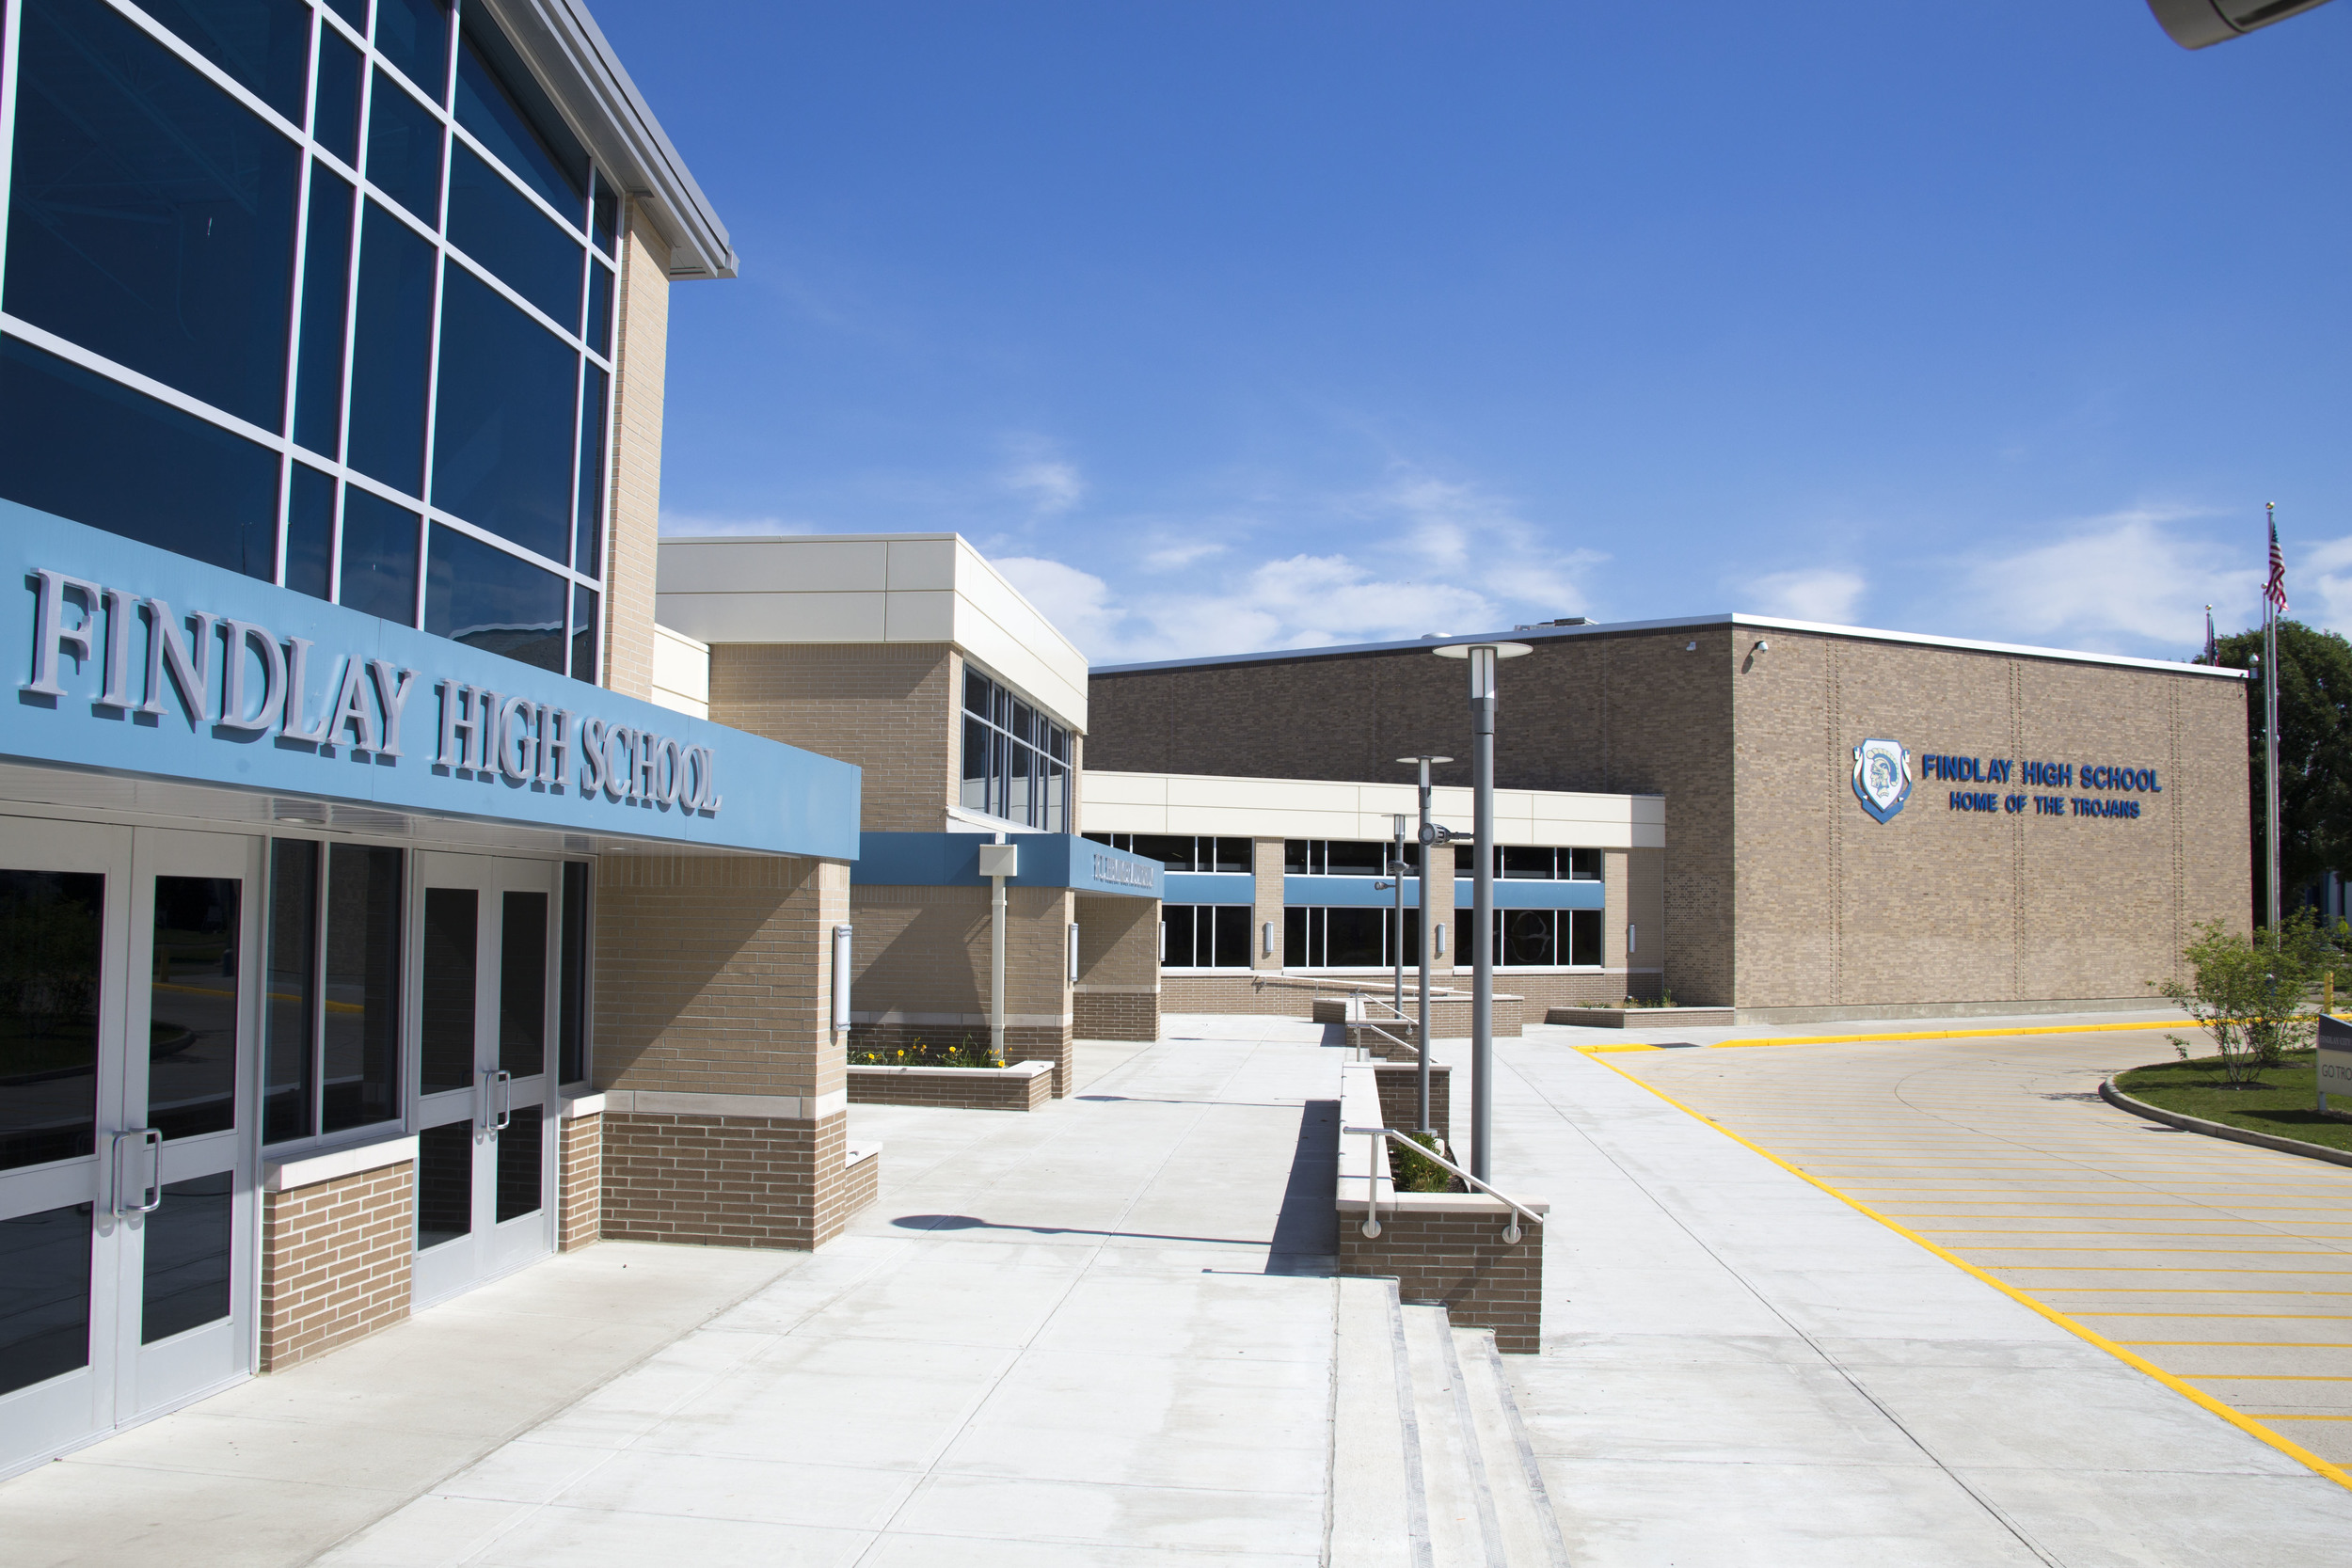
[486, 1154]
[126, 1167]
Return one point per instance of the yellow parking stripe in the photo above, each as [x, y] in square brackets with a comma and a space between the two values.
[2197, 1395]
[1872, 1039]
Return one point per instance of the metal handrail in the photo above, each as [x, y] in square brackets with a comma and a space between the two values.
[1511, 1232]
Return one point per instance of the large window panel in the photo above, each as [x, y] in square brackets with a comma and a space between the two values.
[1010, 751]
[588, 526]
[361, 1062]
[51, 966]
[404, 151]
[599, 335]
[490, 221]
[335, 107]
[325, 291]
[502, 434]
[91, 449]
[311, 533]
[499, 102]
[585, 627]
[265, 44]
[414, 36]
[150, 215]
[289, 1006]
[488, 599]
[392, 352]
[380, 557]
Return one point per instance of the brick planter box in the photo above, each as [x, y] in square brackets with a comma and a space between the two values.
[1441, 1247]
[1400, 1095]
[1641, 1018]
[1022, 1086]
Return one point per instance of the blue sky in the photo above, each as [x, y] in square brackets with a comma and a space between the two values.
[1224, 327]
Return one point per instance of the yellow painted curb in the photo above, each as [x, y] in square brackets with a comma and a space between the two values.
[2251, 1428]
[1921, 1035]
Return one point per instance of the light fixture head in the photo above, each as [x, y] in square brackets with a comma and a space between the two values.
[1502, 650]
[1411, 761]
[1761, 647]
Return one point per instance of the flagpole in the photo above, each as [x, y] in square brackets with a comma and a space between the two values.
[2270, 724]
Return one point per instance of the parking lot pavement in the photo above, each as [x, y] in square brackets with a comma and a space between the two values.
[1742, 1367]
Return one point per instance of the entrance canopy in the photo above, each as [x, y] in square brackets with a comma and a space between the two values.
[150, 666]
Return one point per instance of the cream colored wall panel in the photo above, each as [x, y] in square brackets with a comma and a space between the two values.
[681, 673]
[775, 617]
[919, 615]
[811, 565]
[926, 562]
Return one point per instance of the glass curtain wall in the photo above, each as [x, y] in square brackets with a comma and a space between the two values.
[321, 293]
[1016, 761]
[1182, 852]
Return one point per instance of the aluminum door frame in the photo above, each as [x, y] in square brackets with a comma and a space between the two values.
[489, 1249]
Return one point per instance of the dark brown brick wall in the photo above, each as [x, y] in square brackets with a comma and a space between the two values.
[1777, 889]
[754, 1182]
[967, 1089]
[1114, 1016]
[1400, 1096]
[1460, 1263]
[1633, 712]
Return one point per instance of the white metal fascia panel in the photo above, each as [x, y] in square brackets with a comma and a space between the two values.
[1127, 789]
[918, 615]
[1004, 652]
[682, 664]
[810, 563]
[774, 617]
[926, 562]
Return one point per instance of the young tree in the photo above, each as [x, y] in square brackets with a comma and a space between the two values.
[2251, 997]
[2314, 752]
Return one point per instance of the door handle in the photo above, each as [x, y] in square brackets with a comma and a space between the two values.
[146, 1140]
[506, 1099]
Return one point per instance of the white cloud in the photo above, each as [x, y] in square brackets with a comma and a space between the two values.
[2319, 586]
[1172, 557]
[1434, 556]
[1826, 594]
[1040, 478]
[2128, 581]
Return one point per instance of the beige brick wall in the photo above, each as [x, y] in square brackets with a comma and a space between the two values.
[958, 1089]
[924, 951]
[1118, 994]
[888, 707]
[714, 973]
[579, 1182]
[636, 459]
[334, 1261]
[1938, 905]
[1266, 860]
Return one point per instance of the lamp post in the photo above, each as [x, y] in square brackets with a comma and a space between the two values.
[1482, 659]
[1430, 837]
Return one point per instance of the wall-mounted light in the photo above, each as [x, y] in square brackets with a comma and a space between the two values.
[1632, 936]
[1265, 939]
[1761, 647]
[1437, 930]
[1074, 952]
[841, 978]
[1690, 647]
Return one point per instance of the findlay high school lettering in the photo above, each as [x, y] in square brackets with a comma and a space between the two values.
[485, 732]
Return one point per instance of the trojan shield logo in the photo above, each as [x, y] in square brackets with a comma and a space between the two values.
[1882, 777]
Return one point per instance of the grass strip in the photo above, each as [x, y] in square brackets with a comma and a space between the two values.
[2283, 1101]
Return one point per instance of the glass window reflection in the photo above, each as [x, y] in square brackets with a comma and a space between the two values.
[265, 44]
[503, 107]
[490, 221]
[380, 557]
[502, 434]
[392, 352]
[404, 151]
[150, 215]
[192, 1006]
[49, 924]
[488, 599]
[414, 36]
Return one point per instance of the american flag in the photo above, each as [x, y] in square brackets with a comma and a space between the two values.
[2276, 589]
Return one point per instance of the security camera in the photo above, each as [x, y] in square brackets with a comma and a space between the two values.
[2195, 23]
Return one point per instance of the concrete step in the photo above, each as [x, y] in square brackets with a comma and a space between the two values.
[1527, 1529]
[1431, 1466]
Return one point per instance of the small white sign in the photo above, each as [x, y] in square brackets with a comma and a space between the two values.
[2335, 1056]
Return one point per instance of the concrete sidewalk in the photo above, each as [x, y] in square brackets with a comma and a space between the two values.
[1740, 1370]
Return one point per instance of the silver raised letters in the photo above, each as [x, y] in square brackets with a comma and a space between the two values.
[518, 739]
[51, 634]
[298, 690]
[393, 694]
[351, 710]
[237, 636]
[364, 700]
[190, 669]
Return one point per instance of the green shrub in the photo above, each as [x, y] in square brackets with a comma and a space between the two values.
[1414, 1172]
[2252, 993]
